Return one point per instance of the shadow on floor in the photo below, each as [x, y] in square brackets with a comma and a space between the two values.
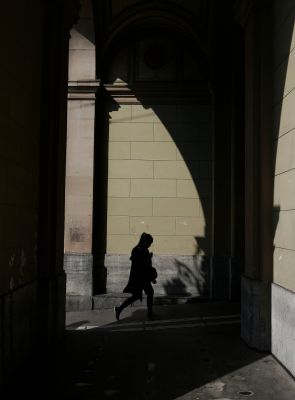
[193, 352]
[177, 356]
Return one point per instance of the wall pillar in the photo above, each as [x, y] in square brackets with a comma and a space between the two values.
[78, 260]
[256, 303]
[50, 290]
[222, 203]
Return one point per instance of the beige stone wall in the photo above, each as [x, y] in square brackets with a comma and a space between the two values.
[284, 145]
[159, 177]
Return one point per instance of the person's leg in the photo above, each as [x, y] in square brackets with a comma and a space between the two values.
[149, 291]
[125, 304]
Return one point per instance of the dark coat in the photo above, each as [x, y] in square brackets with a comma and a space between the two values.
[140, 271]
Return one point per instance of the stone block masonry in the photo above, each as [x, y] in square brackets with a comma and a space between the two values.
[159, 178]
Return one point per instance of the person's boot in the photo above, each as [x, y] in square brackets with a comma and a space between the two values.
[152, 316]
[117, 312]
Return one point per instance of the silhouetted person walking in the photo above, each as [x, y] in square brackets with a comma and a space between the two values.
[141, 275]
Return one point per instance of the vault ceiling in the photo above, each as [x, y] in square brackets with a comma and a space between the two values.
[113, 16]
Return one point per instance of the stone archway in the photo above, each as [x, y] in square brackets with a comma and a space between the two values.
[101, 94]
[160, 163]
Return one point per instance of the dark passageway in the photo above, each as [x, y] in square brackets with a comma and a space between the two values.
[194, 352]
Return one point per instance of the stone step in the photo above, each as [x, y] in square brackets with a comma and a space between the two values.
[110, 300]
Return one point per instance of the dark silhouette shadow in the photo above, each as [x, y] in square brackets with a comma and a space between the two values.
[175, 286]
[195, 276]
[276, 217]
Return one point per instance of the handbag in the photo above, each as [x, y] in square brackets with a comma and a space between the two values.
[153, 274]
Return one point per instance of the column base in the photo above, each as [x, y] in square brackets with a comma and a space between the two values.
[78, 303]
[180, 275]
[177, 275]
[79, 287]
[255, 313]
[283, 326]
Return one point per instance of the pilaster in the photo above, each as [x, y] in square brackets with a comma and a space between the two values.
[78, 260]
[256, 309]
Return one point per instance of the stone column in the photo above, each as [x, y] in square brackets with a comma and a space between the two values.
[58, 18]
[220, 267]
[258, 176]
[78, 260]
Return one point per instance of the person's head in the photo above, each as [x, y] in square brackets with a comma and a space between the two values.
[145, 240]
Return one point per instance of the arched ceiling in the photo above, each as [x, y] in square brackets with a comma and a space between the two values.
[114, 17]
[206, 24]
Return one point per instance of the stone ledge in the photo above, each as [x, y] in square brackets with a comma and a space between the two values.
[177, 275]
[78, 303]
[110, 300]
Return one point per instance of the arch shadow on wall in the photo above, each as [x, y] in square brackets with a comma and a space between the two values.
[159, 97]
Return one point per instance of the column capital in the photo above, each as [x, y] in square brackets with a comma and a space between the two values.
[83, 89]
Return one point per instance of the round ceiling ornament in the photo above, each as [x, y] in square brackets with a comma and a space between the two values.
[155, 56]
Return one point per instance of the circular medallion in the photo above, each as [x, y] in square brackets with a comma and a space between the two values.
[155, 56]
